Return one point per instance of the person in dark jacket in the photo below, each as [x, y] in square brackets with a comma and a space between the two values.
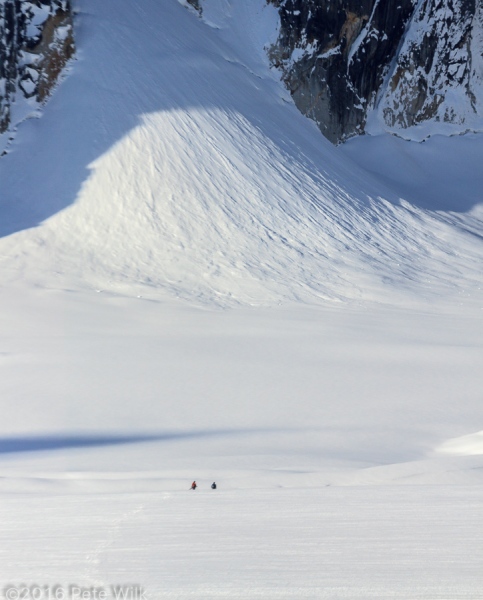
[213, 486]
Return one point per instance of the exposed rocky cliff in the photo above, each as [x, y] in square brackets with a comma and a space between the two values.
[36, 41]
[412, 67]
[196, 5]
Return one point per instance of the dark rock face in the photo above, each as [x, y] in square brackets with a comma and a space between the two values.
[196, 5]
[435, 59]
[36, 41]
[397, 62]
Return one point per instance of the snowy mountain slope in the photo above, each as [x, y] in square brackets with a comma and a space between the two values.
[172, 158]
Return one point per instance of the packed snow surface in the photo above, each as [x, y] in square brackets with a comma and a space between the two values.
[195, 285]
[344, 443]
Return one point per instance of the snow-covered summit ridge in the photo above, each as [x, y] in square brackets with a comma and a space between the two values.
[173, 159]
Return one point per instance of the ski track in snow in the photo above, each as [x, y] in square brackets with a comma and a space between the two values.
[320, 544]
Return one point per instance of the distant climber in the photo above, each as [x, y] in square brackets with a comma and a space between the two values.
[193, 485]
[213, 486]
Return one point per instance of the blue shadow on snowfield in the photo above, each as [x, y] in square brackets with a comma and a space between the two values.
[36, 443]
[330, 444]
[10, 445]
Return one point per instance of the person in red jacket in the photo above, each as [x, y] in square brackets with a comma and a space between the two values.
[193, 485]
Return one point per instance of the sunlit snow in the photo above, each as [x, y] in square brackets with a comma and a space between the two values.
[194, 284]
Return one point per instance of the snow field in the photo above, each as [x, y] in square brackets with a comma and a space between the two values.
[168, 179]
[325, 396]
[370, 542]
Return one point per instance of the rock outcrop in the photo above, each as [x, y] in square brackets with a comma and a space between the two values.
[411, 67]
[36, 41]
[196, 5]
[372, 65]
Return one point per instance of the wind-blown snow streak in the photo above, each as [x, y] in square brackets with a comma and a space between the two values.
[179, 163]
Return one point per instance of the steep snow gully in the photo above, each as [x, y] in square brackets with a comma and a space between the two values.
[172, 157]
